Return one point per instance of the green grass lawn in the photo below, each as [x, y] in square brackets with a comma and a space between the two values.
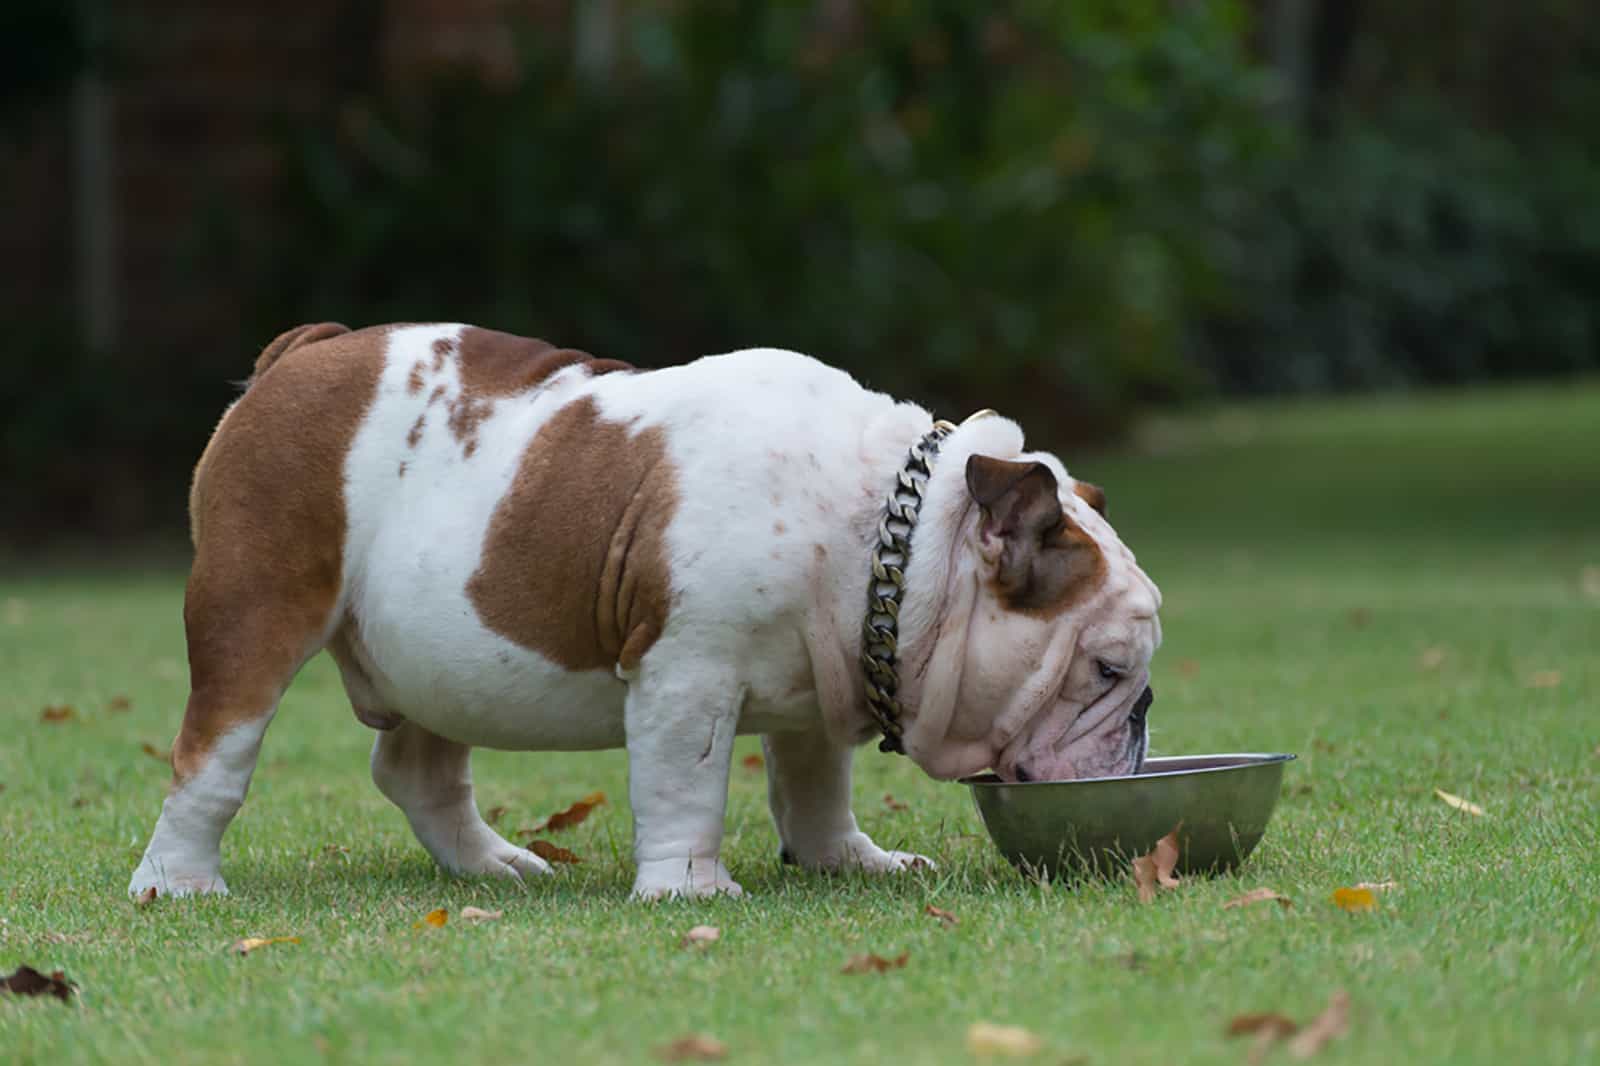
[1376, 586]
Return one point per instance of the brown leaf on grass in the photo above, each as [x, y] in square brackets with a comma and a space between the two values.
[1360, 617]
[752, 762]
[1258, 895]
[1458, 803]
[551, 852]
[874, 963]
[1544, 679]
[27, 981]
[1354, 899]
[61, 713]
[946, 918]
[696, 1047]
[145, 898]
[155, 752]
[576, 813]
[893, 804]
[250, 943]
[119, 703]
[1331, 1023]
[435, 919]
[1431, 658]
[1154, 870]
[478, 914]
[494, 814]
[1590, 582]
[1277, 1026]
[985, 1039]
[700, 934]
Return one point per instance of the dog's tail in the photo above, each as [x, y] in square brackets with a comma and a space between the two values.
[289, 341]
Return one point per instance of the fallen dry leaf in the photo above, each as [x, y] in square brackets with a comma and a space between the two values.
[60, 713]
[985, 1039]
[155, 752]
[893, 804]
[1544, 679]
[873, 963]
[145, 898]
[250, 943]
[1377, 886]
[1354, 899]
[434, 918]
[752, 762]
[1591, 582]
[1258, 895]
[478, 914]
[551, 852]
[119, 703]
[27, 981]
[1431, 658]
[696, 1047]
[1277, 1026]
[1360, 617]
[1331, 1023]
[576, 813]
[1154, 870]
[946, 918]
[1458, 803]
[494, 814]
[701, 934]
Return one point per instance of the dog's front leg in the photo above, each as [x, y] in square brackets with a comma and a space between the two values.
[680, 742]
[808, 789]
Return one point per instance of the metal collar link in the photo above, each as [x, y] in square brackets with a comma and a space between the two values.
[890, 557]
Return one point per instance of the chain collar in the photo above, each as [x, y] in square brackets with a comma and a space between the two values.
[890, 557]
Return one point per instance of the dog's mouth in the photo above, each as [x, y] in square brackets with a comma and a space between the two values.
[1114, 746]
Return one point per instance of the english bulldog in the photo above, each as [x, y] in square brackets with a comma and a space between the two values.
[510, 545]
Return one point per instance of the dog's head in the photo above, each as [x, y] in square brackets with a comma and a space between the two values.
[1038, 664]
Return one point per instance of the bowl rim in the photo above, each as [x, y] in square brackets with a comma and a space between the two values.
[1245, 760]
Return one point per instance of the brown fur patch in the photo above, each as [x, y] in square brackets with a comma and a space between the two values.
[501, 364]
[291, 339]
[1093, 495]
[574, 563]
[267, 512]
[492, 365]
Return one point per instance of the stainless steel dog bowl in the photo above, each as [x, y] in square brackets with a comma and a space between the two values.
[1097, 825]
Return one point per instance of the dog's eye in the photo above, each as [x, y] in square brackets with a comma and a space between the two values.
[1107, 671]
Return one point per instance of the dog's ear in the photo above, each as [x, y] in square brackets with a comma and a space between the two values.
[1038, 556]
[1093, 495]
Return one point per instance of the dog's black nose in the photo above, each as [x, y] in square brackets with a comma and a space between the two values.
[1142, 706]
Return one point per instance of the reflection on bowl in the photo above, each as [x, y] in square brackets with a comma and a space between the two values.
[1066, 828]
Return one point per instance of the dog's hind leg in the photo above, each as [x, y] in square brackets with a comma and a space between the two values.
[267, 515]
[430, 779]
[245, 646]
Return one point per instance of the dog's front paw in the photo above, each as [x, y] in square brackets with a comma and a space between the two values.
[856, 851]
[504, 859]
[154, 874]
[686, 878]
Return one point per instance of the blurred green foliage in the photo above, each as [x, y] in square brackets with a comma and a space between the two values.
[1065, 211]
[1027, 209]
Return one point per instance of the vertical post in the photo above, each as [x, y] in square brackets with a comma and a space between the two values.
[94, 212]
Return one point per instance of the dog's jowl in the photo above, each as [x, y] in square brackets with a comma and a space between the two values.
[505, 544]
